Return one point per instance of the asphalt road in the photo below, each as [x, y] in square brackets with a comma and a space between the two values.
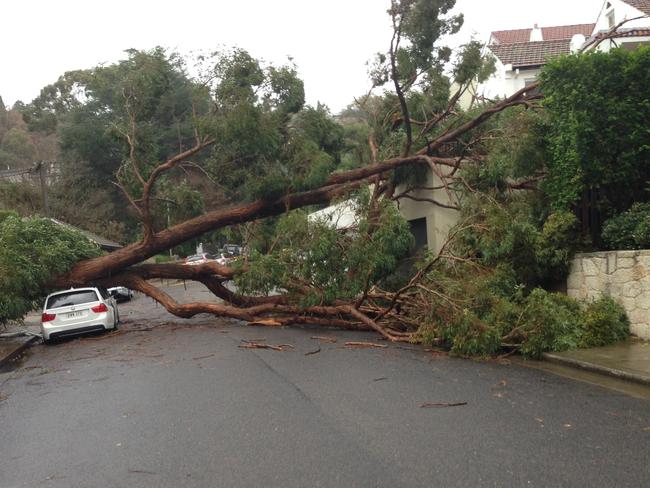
[182, 405]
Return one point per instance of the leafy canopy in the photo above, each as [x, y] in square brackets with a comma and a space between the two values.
[32, 251]
[311, 254]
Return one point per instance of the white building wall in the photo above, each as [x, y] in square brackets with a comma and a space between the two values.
[439, 220]
[622, 11]
[342, 215]
[507, 81]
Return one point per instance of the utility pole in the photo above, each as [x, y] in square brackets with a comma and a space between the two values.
[41, 168]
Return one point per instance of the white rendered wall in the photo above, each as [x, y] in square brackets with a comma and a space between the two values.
[439, 220]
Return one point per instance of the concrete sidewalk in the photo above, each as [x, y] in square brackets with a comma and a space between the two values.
[628, 360]
[10, 349]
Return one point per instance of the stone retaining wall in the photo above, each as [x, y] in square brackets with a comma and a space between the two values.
[624, 275]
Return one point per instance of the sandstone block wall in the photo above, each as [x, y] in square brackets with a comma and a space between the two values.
[624, 275]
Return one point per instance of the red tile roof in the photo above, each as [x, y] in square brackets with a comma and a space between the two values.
[642, 5]
[512, 36]
[567, 31]
[548, 33]
[527, 54]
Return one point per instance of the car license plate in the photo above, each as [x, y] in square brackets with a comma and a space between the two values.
[74, 314]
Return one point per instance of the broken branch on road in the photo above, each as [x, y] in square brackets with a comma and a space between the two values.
[365, 345]
[257, 345]
[443, 405]
[316, 351]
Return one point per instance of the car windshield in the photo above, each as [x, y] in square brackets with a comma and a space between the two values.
[71, 298]
[194, 258]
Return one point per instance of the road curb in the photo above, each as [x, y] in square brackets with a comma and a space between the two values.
[12, 353]
[598, 368]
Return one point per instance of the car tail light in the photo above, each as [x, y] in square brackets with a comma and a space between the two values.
[48, 317]
[99, 308]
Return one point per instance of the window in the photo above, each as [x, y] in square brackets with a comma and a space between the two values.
[611, 19]
[530, 81]
[419, 231]
[71, 298]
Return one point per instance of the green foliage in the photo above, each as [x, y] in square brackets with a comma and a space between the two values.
[599, 107]
[472, 64]
[162, 258]
[468, 336]
[422, 24]
[496, 312]
[630, 229]
[515, 243]
[537, 249]
[550, 322]
[332, 264]
[23, 198]
[17, 149]
[32, 252]
[604, 322]
[554, 322]
[4, 214]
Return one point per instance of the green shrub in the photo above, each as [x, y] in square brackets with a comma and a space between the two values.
[604, 322]
[551, 322]
[630, 229]
[7, 213]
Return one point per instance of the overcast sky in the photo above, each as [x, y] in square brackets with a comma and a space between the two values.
[329, 40]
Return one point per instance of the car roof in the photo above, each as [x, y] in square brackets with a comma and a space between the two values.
[86, 288]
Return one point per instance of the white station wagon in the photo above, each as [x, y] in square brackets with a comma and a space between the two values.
[77, 311]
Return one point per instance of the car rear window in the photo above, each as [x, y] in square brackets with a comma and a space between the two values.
[71, 298]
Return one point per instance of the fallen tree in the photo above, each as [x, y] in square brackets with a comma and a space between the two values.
[310, 273]
[445, 141]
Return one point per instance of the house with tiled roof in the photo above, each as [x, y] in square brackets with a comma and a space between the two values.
[520, 54]
[633, 33]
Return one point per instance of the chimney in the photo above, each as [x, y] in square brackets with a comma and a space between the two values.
[577, 41]
[536, 34]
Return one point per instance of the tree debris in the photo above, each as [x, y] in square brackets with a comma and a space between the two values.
[443, 405]
[266, 323]
[203, 357]
[141, 471]
[257, 345]
[365, 345]
[330, 340]
[315, 351]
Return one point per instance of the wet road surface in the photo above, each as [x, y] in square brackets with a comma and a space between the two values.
[182, 405]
